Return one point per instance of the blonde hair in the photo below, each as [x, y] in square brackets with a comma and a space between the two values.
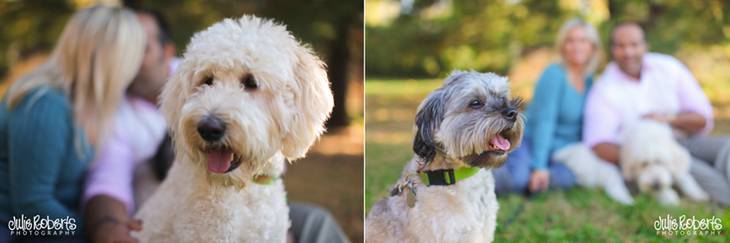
[593, 37]
[97, 56]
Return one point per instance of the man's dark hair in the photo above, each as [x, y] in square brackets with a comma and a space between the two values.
[621, 24]
[162, 24]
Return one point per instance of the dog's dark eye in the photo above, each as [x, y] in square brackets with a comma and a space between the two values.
[249, 82]
[208, 80]
[476, 104]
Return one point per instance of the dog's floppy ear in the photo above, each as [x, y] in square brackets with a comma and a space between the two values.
[428, 120]
[313, 101]
[173, 93]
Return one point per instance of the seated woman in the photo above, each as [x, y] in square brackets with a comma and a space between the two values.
[52, 119]
[555, 114]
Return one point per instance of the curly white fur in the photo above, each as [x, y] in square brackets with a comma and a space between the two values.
[265, 126]
[652, 158]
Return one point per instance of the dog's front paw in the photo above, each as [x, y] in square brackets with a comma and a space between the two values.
[698, 196]
[691, 189]
[667, 197]
[619, 193]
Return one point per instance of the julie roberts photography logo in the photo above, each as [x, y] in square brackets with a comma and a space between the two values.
[688, 226]
[42, 226]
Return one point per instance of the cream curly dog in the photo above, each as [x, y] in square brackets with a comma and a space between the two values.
[650, 158]
[246, 98]
[446, 192]
[655, 161]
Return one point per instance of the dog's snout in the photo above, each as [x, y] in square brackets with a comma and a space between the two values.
[656, 186]
[211, 128]
[510, 114]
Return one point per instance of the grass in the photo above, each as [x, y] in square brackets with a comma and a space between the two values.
[576, 215]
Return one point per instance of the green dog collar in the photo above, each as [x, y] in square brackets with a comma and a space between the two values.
[448, 176]
[264, 179]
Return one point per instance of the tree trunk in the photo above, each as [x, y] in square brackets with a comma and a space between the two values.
[337, 61]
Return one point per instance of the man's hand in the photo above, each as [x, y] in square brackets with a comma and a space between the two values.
[116, 232]
[539, 181]
[108, 220]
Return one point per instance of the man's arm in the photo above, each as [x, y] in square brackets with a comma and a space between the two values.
[695, 114]
[607, 151]
[108, 221]
[689, 122]
[108, 195]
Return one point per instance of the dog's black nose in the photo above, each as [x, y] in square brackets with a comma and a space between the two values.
[510, 114]
[656, 186]
[211, 128]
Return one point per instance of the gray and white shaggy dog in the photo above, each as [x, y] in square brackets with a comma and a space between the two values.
[246, 98]
[446, 192]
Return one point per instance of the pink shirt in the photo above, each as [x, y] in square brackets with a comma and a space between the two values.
[666, 87]
[138, 131]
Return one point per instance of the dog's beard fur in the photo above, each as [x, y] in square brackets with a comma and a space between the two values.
[253, 131]
[451, 133]
[466, 137]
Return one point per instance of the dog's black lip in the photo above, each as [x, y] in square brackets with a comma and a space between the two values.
[493, 153]
[482, 155]
[235, 164]
[498, 152]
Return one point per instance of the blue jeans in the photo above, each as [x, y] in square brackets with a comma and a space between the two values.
[514, 175]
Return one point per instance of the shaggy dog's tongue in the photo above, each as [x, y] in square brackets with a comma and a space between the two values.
[499, 143]
[219, 160]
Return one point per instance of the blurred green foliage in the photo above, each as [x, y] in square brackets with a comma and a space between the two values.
[29, 26]
[333, 28]
[33, 26]
[431, 37]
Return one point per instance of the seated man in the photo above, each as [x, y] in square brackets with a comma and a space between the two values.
[641, 85]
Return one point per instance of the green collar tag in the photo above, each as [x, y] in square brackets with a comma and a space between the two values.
[264, 179]
[448, 176]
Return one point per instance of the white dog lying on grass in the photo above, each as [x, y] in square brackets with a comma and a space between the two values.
[650, 157]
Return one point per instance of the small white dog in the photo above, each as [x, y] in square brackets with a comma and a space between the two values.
[247, 97]
[446, 192]
[652, 158]
[591, 171]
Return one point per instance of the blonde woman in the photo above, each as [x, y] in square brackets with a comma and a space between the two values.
[555, 114]
[52, 119]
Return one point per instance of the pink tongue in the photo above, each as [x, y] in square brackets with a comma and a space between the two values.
[219, 160]
[499, 142]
